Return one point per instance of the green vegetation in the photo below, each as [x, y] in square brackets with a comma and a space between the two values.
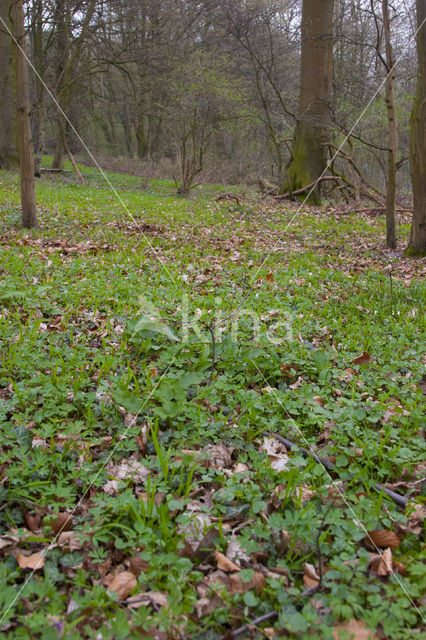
[110, 414]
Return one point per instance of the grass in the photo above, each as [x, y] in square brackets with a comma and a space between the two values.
[109, 413]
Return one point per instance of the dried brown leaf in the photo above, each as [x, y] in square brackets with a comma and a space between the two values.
[32, 521]
[70, 539]
[382, 538]
[147, 598]
[224, 563]
[238, 586]
[353, 630]
[363, 358]
[122, 583]
[319, 401]
[35, 561]
[219, 455]
[137, 565]
[385, 566]
[63, 522]
[129, 470]
[310, 578]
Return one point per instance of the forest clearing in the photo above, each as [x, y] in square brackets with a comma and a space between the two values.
[212, 297]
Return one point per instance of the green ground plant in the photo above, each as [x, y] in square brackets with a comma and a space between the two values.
[120, 411]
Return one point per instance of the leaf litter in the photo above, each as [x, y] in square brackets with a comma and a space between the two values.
[228, 518]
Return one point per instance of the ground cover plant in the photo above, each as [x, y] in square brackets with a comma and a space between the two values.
[149, 360]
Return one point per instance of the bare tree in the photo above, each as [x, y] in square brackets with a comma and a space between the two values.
[8, 149]
[389, 64]
[417, 244]
[25, 143]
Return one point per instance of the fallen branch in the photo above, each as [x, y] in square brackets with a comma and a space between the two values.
[54, 170]
[73, 162]
[237, 632]
[401, 501]
[229, 196]
[303, 190]
[378, 210]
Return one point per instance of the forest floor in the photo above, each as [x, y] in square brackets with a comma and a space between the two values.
[148, 357]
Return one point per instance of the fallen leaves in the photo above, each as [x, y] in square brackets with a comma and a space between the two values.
[62, 522]
[236, 579]
[277, 454]
[382, 538]
[129, 469]
[224, 563]
[311, 579]
[137, 565]
[122, 583]
[70, 540]
[353, 630]
[363, 358]
[35, 561]
[147, 598]
[219, 455]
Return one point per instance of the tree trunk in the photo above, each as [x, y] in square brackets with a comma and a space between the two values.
[393, 133]
[417, 244]
[25, 143]
[61, 55]
[141, 139]
[38, 114]
[8, 149]
[309, 151]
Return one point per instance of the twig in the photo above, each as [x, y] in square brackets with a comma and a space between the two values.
[229, 196]
[211, 329]
[312, 590]
[401, 501]
[237, 632]
[376, 210]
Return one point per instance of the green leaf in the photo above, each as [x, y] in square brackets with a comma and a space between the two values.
[246, 575]
[146, 326]
[131, 403]
[250, 599]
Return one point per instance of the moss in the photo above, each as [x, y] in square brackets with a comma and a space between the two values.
[307, 163]
[412, 252]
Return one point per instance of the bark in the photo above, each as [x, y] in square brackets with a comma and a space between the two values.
[417, 244]
[61, 55]
[141, 137]
[312, 133]
[393, 133]
[8, 148]
[25, 143]
[38, 114]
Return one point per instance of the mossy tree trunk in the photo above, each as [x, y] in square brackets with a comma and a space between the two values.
[393, 132]
[417, 244]
[309, 150]
[8, 148]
